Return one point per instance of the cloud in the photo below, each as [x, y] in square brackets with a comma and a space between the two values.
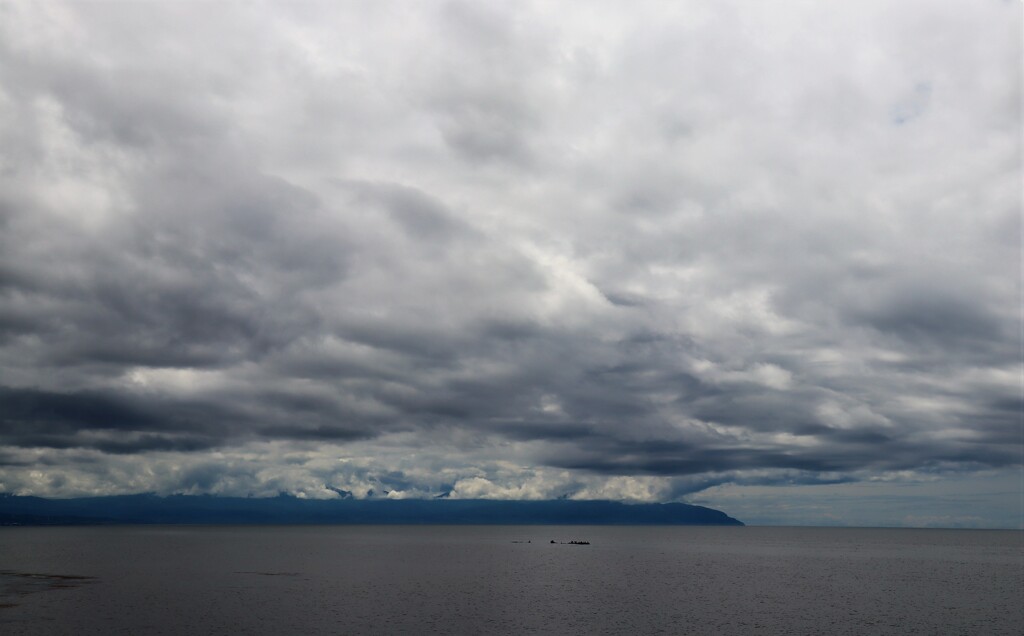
[512, 251]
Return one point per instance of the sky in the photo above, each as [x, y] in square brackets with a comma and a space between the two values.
[764, 257]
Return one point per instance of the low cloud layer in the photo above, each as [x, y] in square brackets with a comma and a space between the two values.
[478, 250]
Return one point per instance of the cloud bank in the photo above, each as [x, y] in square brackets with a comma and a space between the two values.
[518, 251]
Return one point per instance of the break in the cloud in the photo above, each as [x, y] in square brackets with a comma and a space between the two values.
[508, 250]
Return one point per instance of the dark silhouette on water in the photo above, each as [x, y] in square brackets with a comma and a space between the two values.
[572, 542]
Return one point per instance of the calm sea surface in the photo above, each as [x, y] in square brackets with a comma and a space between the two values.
[489, 580]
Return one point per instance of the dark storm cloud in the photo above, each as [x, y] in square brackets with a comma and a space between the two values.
[490, 251]
[56, 411]
[127, 422]
[935, 322]
[109, 422]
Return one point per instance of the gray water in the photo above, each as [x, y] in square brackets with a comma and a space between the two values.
[488, 580]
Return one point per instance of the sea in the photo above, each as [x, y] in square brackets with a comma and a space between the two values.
[509, 580]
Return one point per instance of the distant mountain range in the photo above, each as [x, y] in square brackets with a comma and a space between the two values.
[285, 509]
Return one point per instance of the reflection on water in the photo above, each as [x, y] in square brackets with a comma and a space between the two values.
[14, 585]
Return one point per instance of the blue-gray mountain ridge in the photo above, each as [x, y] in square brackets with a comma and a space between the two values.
[286, 509]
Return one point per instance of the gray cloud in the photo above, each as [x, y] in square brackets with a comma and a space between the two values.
[507, 251]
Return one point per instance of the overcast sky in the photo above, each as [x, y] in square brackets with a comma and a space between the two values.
[760, 256]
